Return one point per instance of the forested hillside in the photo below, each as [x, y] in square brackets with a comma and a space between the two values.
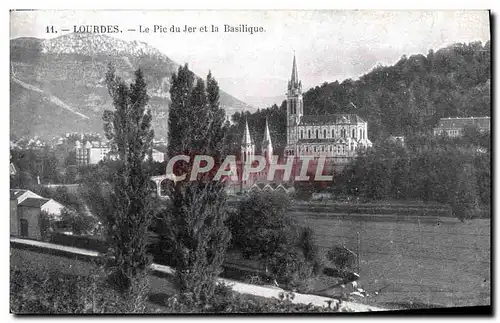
[404, 99]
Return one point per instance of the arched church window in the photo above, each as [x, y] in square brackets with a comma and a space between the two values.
[324, 133]
[353, 133]
[317, 133]
[301, 134]
[333, 133]
[309, 134]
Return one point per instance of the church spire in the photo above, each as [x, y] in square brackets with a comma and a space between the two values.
[267, 145]
[247, 145]
[247, 140]
[295, 75]
[267, 136]
[294, 84]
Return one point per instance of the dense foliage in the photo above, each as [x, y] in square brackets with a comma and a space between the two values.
[261, 230]
[195, 237]
[454, 171]
[33, 292]
[192, 227]
[38, 293]
[33, 165]
[196, 121]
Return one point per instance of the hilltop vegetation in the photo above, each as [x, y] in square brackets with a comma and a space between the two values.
[406, 98]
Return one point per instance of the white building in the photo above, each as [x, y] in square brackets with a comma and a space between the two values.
[454, 127]
[90, 153]
[158, 156]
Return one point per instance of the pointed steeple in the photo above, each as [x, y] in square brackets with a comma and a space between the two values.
[295, 75]
[267, 136]
[267, 145]
[247, 145]
[247, 139]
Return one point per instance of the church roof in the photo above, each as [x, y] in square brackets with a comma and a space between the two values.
[481, 122]
[322, 141]
[328, 119]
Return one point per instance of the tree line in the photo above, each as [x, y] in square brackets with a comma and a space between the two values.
[452, 171]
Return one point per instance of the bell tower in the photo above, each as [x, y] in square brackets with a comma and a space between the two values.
[294, 105]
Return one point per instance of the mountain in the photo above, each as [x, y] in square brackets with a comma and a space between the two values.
[259, 91]
[264, 102]
[57, 85]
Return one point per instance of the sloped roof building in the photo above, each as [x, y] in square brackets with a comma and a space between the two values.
[454, 127]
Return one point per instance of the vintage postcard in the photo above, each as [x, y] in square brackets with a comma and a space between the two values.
[260, 161]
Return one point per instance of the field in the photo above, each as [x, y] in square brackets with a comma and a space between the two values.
[417, 258]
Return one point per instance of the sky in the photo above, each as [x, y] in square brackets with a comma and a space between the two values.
[329, 45]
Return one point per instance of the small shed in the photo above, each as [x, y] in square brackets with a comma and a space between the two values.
[29, 214]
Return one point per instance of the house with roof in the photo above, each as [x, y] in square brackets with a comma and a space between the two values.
[26, 214]
[20, 195]
[454, 127]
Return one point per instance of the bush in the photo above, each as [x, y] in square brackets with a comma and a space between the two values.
[227, 301]
[341, 257]
[261, 230]
[259, 227]
[54, 293]
[78, 223]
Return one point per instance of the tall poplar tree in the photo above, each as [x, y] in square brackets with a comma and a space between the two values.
[125, 205]
[218, 126]
[194, 227]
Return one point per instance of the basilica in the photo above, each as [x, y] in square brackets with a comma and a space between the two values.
[337, 137]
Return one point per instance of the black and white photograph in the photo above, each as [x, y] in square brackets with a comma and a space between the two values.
[238, 162]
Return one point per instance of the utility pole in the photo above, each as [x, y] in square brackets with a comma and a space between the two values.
[357, 251]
